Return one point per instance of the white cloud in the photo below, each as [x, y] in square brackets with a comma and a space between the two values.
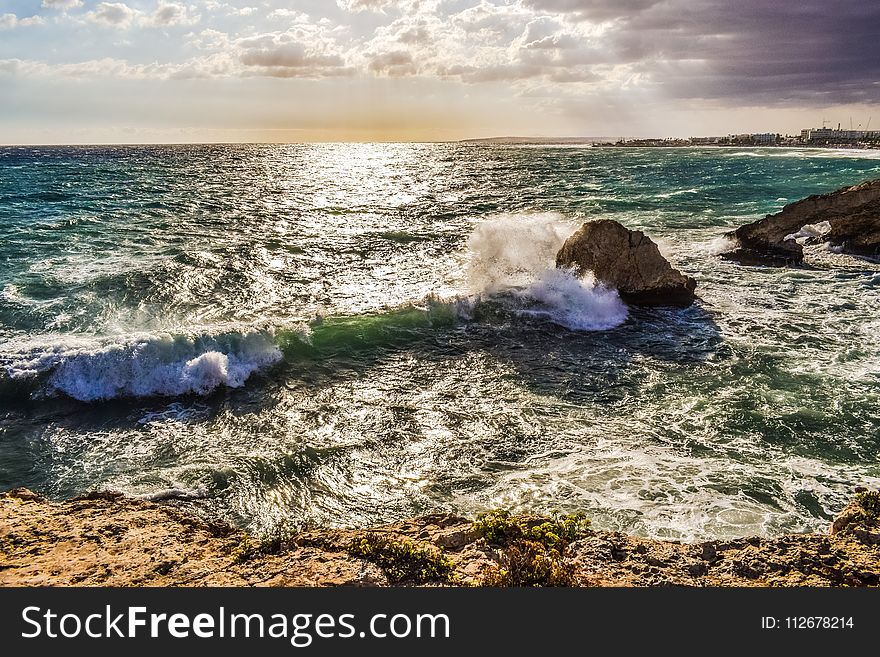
[11, 21]
[112, 14]
[365, 5]
[211, 66]
[62, 4]
[166, 14]
[9, 66]
[288, 13]
[209, 40]
[593, 10]
[170, 14]
[484, 42]
[379, 6]
[305, 50]
[396, 63]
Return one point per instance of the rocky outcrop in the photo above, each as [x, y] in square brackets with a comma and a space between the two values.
[848, 219]
[860, 518]
[627, 260]
[110, 540]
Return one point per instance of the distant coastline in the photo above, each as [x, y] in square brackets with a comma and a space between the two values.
[548, 141]
[808, 138]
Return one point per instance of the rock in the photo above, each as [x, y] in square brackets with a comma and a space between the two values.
[848, 219]
[23, 494]
[117, 541]
[629, 261]
[860, 518]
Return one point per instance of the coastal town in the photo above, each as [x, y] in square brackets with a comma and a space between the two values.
[809, 137]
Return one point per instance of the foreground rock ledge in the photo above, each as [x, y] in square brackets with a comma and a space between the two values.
[629, 261]
[853, 226]
[110, 540]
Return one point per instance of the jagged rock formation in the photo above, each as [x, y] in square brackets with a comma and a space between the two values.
[629, 261]
[853, 225]
[109, 540]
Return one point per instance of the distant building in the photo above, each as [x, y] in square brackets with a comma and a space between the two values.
[753, 139]
[764, 138]
[825, 135]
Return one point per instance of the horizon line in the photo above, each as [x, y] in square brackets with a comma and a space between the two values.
[524, 140]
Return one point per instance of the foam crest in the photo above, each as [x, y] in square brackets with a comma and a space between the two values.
[809, 231]
[144, 365]
[514, 256]
[577, 304]
[715, 246]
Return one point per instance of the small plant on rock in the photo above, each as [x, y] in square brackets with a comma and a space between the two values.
[529, 563]
[500, 527]
[402, 560]
[245, 550]
[534, 550]
[869, 502]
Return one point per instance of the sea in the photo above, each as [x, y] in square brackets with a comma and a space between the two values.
[299, 335]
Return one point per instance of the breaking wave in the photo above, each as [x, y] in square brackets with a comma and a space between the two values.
[514, 256]
[140, 365]
[511, 268]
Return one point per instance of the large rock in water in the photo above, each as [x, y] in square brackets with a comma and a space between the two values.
[853, 224]
[629, 261]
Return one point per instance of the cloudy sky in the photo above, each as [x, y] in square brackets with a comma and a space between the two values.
[276, 70]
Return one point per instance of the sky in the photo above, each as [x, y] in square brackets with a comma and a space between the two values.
[134, 71]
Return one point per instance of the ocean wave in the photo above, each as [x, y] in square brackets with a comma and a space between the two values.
[678, 192]
[575, 303]
[140, 365]
[511, 270]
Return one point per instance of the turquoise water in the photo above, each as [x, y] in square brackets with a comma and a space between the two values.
[353, 333]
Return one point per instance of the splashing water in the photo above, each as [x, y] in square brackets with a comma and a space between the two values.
[516, 255]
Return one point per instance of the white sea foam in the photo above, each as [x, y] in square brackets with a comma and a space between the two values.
[514, 256]
[715, 246]
[678, 192]
[512, 250]
[576, 303]
[744, 154]
[174, 494]
[143, 365]
[809, 231]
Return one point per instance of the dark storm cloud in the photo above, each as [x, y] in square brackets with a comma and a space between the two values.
[762, 51]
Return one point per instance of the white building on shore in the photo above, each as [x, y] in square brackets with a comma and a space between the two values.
[829, 134]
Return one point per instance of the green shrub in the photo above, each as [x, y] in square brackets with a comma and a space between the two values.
[534, 549]
[402, 560]
[500, 527]
[869, 501]
[276, 542]
[245, 550]
[529, 563]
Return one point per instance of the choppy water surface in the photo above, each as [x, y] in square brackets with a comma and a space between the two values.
[348, 334]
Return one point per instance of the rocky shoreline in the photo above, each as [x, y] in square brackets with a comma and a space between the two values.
[848, 220]
[107, 539]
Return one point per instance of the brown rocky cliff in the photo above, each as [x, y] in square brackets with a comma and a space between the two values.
[110, 540]
[852, 212]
